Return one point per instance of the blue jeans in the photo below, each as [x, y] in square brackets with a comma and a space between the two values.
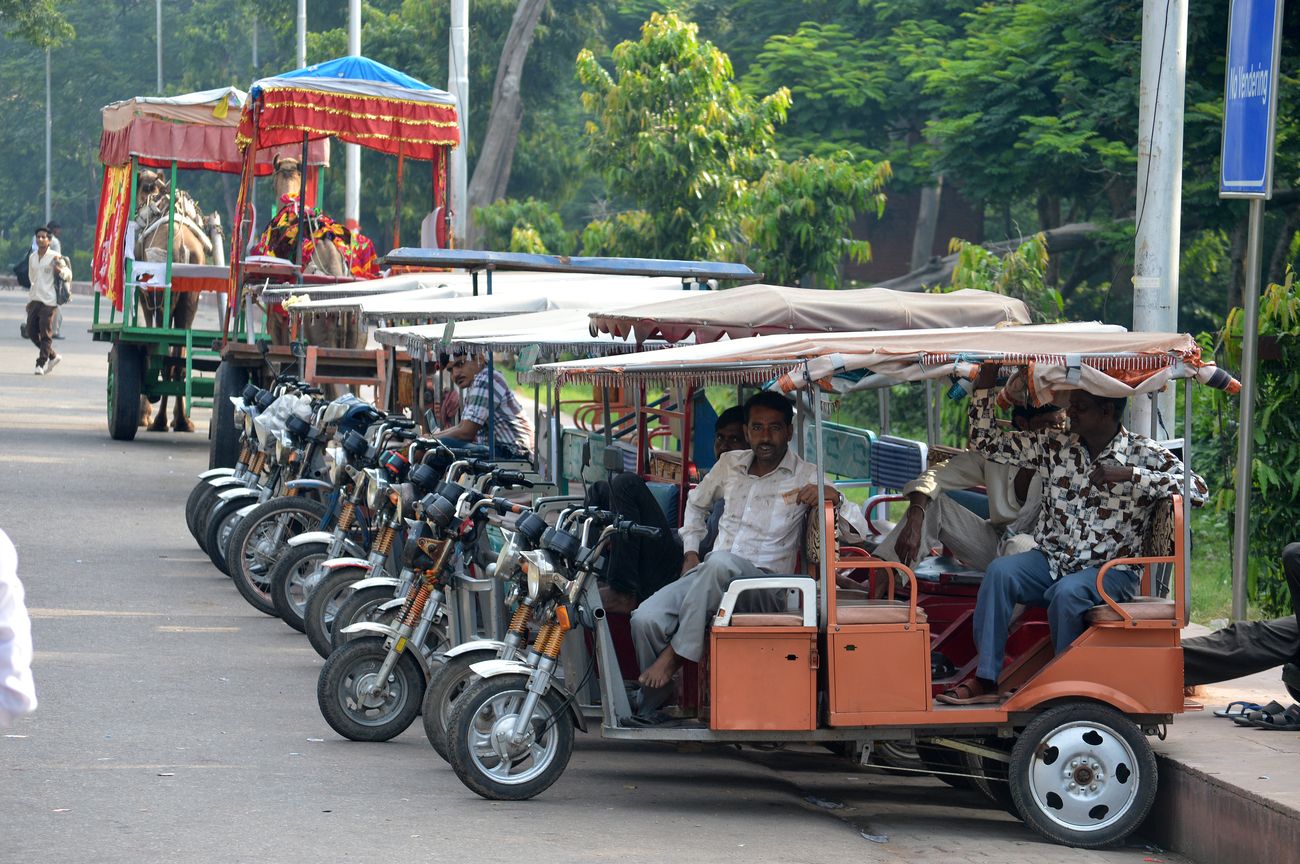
[1025, 578]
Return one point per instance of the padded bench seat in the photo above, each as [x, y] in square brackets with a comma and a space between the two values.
[1141, 608]
[876, 612]
[767, 619]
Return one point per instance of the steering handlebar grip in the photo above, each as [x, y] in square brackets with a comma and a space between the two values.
[511, 478]
[634, 529]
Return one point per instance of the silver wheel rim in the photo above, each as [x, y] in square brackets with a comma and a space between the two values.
[299, 581]
[374, 709]
[1084, 776]
[489, 733]
[461, 675]
[260, 554]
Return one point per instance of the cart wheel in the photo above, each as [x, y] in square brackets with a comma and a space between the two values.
[223, 449]
[125, 377]
[1082, 774]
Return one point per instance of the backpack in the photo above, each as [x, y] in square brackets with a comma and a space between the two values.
[20, 270]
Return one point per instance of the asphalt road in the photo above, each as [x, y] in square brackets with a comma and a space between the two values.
[178, 724]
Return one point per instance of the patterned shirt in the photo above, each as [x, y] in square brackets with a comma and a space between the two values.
[1083, 525]
[512, 428]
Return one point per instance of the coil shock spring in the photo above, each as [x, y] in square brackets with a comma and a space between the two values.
[519, 621]
[549, 640]
[258, 462]
[346, 513]
[246, 453]
[385, 540]
[415, 603]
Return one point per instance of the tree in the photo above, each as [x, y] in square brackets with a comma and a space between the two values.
[675, 136]
[37, 22]
[522, 226]
[799, 216]
[1020, 273]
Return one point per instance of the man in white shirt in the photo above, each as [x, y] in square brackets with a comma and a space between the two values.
[767, 491]
[17, 690]
[1015, 496]
[44, 266]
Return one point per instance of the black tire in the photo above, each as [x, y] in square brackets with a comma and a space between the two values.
[323, 605]
[1083, 774]
[486, 770]
[251, 553]
[946, 763]
[448, 680]
[221, 524]
[223, 437]
[349, 713]
[208, 501]
[362, 605]
[192, 506]
[990, 775]
[126, 365]
[290, 581]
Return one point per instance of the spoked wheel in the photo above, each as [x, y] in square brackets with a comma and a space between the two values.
[363, 605]
[323, 604]
[1082, 775]
[259, 540]
[447, 682]
[292, 579]
[360, 707]
[485, 755]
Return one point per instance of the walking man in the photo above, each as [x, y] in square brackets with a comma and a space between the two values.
[44, 266]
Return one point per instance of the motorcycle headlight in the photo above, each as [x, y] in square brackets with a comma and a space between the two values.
[540, 572]
[375, 489]
[507, 561]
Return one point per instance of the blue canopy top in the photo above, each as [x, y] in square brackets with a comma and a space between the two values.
[357, 69]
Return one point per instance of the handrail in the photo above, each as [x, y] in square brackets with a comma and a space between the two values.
[856, 561]
[1176, 558]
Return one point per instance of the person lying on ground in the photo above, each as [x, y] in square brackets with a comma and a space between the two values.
[767, 492]
[1015, 495]
[1101, 484]
[639, 566]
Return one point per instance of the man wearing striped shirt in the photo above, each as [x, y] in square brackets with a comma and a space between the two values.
[494, 413]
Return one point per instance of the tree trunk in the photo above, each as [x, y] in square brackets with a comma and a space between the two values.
[927, 223]
[492, 171]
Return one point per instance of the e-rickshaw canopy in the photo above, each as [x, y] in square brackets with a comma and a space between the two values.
[555, 331]
[485, 260]
[757, 310]
[1104, 360]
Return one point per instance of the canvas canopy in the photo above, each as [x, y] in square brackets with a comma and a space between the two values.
[756, 310]
[1102, 359]
[353, 99]
[555, 331]
[196, 130]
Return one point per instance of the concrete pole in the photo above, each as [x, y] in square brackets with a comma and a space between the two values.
[302, 36]
[352, 177]
[1159, 185]
[49, 127]
[158, 39]
[458, 84]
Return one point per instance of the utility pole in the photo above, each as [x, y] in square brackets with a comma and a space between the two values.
[157, 9]
[352, 177]
[255, 64]
[1159, 185]
[49, 126]
[458, 84]
[302, 37]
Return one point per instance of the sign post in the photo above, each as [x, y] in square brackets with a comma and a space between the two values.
[1246, 171]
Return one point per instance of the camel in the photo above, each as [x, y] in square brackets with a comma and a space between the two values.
[194, 238]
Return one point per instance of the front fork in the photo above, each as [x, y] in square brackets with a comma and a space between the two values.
[413, 627]
[547, 646]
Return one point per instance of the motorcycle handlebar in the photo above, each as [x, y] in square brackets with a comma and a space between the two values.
[511, 478]
[633, 529]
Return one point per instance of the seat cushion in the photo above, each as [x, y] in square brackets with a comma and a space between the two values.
[768, 619]
[1141, 608]
[876, 612]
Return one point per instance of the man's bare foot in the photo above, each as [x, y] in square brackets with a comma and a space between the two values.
[661, 672]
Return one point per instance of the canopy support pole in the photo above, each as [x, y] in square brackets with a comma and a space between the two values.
[166, 318]
[1187, 494]
[828, 538]
[302, 209]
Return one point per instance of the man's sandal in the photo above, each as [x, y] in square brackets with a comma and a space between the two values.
[1242, 709]
[1286, 721]
[1250, 718]
[967, 693]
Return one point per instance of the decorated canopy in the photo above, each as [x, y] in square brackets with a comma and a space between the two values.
[353, 99]
[755, 310]
[1102, 359]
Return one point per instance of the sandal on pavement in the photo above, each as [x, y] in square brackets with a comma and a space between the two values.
[968, 693]
[1249, 718]
[1287, 721]
[1246, 708]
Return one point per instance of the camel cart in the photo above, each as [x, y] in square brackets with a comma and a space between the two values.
[352, 100]
[145, 304]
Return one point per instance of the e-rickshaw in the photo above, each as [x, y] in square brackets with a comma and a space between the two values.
[353, 100]
[1070, 741]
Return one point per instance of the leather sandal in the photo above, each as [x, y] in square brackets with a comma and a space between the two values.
[968, 693]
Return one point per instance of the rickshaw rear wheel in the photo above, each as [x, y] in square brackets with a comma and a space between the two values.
[990, 775]
[126, 365]
[1082, 774]
[481, 754]
[949, 765]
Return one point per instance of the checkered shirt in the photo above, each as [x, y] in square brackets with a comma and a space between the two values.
[513, 430]
[1083, 525]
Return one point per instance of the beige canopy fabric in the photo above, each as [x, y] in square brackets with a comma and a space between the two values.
[757, 310]
[554, 331]
[1102, 359]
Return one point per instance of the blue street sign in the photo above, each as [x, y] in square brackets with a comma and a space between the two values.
[1250, 99]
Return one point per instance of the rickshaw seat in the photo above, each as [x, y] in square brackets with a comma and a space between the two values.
[876, 612]
[1140, 608]
[768, 619]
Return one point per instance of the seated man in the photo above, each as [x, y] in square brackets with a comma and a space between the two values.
[767, 492]
[640, 566]
[1101, 483]
[1015, 494]
[511, 427]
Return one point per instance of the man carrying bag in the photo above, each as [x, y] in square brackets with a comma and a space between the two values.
[45, 269]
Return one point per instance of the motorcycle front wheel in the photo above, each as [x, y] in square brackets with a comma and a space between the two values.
[482, 751]
[291, 581]
[363, 605]
[323, 605]
[351, 702]
[253, 549]
[221, 524]
[447, 681]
